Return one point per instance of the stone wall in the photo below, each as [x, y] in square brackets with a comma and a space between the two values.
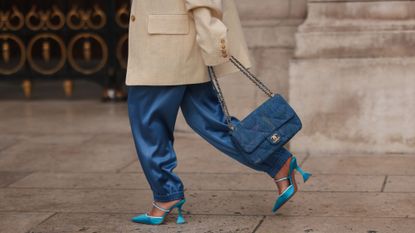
[353, 77]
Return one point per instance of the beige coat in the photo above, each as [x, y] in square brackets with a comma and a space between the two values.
[171, 42]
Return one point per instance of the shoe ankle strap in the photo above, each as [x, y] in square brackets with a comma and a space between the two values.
[160, 208]
[281, 179]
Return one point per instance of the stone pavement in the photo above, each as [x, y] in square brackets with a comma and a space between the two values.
[70, 166]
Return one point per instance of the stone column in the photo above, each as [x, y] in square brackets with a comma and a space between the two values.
[269, 27]
[352, 80]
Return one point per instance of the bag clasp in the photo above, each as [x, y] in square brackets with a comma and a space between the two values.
[275, 138]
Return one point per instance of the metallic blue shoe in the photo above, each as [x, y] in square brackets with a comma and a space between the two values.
[292, 188]
[156, 220]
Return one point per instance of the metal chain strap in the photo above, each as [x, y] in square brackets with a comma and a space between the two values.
[252, 77]
[216, 87]
[219, 93]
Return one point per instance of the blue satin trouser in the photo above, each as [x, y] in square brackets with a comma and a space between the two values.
[153, 111]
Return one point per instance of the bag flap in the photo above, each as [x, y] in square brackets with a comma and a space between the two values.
[263, 121]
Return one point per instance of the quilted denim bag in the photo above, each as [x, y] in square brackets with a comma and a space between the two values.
[267, 128]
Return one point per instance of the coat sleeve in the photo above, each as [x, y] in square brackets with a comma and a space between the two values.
[211, 32]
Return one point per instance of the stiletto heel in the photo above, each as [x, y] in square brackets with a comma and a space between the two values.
[156, 220]
[304, 174]
[289, 192]
[180, 218]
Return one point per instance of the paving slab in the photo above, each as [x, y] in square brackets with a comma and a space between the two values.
[83, 181]
[73, 139]
[7, 178]
[120, 223]
[70, 200]
[362, 204]
[400, 184]
[113, 139]
[192, 181]
[341, 183]
[16, 222]
[29, 157]
[336, 224]
[199, 181]
[362, 164]
[64, 117]
[7, 141]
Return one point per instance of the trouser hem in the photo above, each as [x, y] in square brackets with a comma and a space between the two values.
[277, 162]
[169, 197]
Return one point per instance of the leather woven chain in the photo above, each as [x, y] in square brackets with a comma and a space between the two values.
[219, 93]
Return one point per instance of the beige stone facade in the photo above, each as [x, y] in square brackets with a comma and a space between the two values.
[353, 77]
[347, 67]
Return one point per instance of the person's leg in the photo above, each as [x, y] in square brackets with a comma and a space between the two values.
[202, 111]
[152, 112]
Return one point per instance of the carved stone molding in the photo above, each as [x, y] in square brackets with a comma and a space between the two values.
[357, 29]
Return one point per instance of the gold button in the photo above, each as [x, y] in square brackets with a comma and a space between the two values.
[132, 18]
[222, 41]
[223, 46]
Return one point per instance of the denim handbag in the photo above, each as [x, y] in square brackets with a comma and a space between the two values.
[267, 128]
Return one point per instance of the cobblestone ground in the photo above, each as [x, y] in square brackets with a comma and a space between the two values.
[70, 166]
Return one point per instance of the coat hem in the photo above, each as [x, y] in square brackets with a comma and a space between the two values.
[164, 84]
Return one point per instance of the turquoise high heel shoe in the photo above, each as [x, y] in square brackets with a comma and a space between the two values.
[156, 220]
[292, 188]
